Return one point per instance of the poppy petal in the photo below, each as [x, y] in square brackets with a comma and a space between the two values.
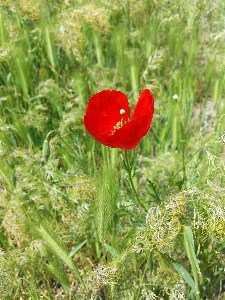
[145, 106]
[108, 103]
[97, 125]
[129, 136]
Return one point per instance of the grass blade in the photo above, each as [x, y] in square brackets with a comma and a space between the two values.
[184, 274]
[75, 249]
[59, 250]
[189, 248]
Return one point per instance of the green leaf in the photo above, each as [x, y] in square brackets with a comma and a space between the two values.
[190, 250]
[75, 249]
[189, 247]
[110, 249]
[184, 274]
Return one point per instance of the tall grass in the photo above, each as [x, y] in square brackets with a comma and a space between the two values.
[69, 225]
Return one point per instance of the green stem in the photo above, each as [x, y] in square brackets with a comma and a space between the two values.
[171, 180]
[129, 169]
[182, 141]
[54, 131]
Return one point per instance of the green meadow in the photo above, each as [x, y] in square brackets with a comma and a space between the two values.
[70, 223]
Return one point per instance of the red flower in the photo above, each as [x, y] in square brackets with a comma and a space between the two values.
[108, 120]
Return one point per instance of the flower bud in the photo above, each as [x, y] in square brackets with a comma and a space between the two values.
[45, 151]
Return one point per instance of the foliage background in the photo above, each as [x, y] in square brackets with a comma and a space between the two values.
[53, 57]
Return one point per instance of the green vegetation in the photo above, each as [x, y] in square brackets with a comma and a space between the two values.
[71, 226]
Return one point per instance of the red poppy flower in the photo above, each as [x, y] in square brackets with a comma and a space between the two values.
[108, 120]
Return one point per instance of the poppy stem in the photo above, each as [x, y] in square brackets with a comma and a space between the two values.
[128, 168]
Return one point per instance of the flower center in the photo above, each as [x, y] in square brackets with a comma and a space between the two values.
[120, 123]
